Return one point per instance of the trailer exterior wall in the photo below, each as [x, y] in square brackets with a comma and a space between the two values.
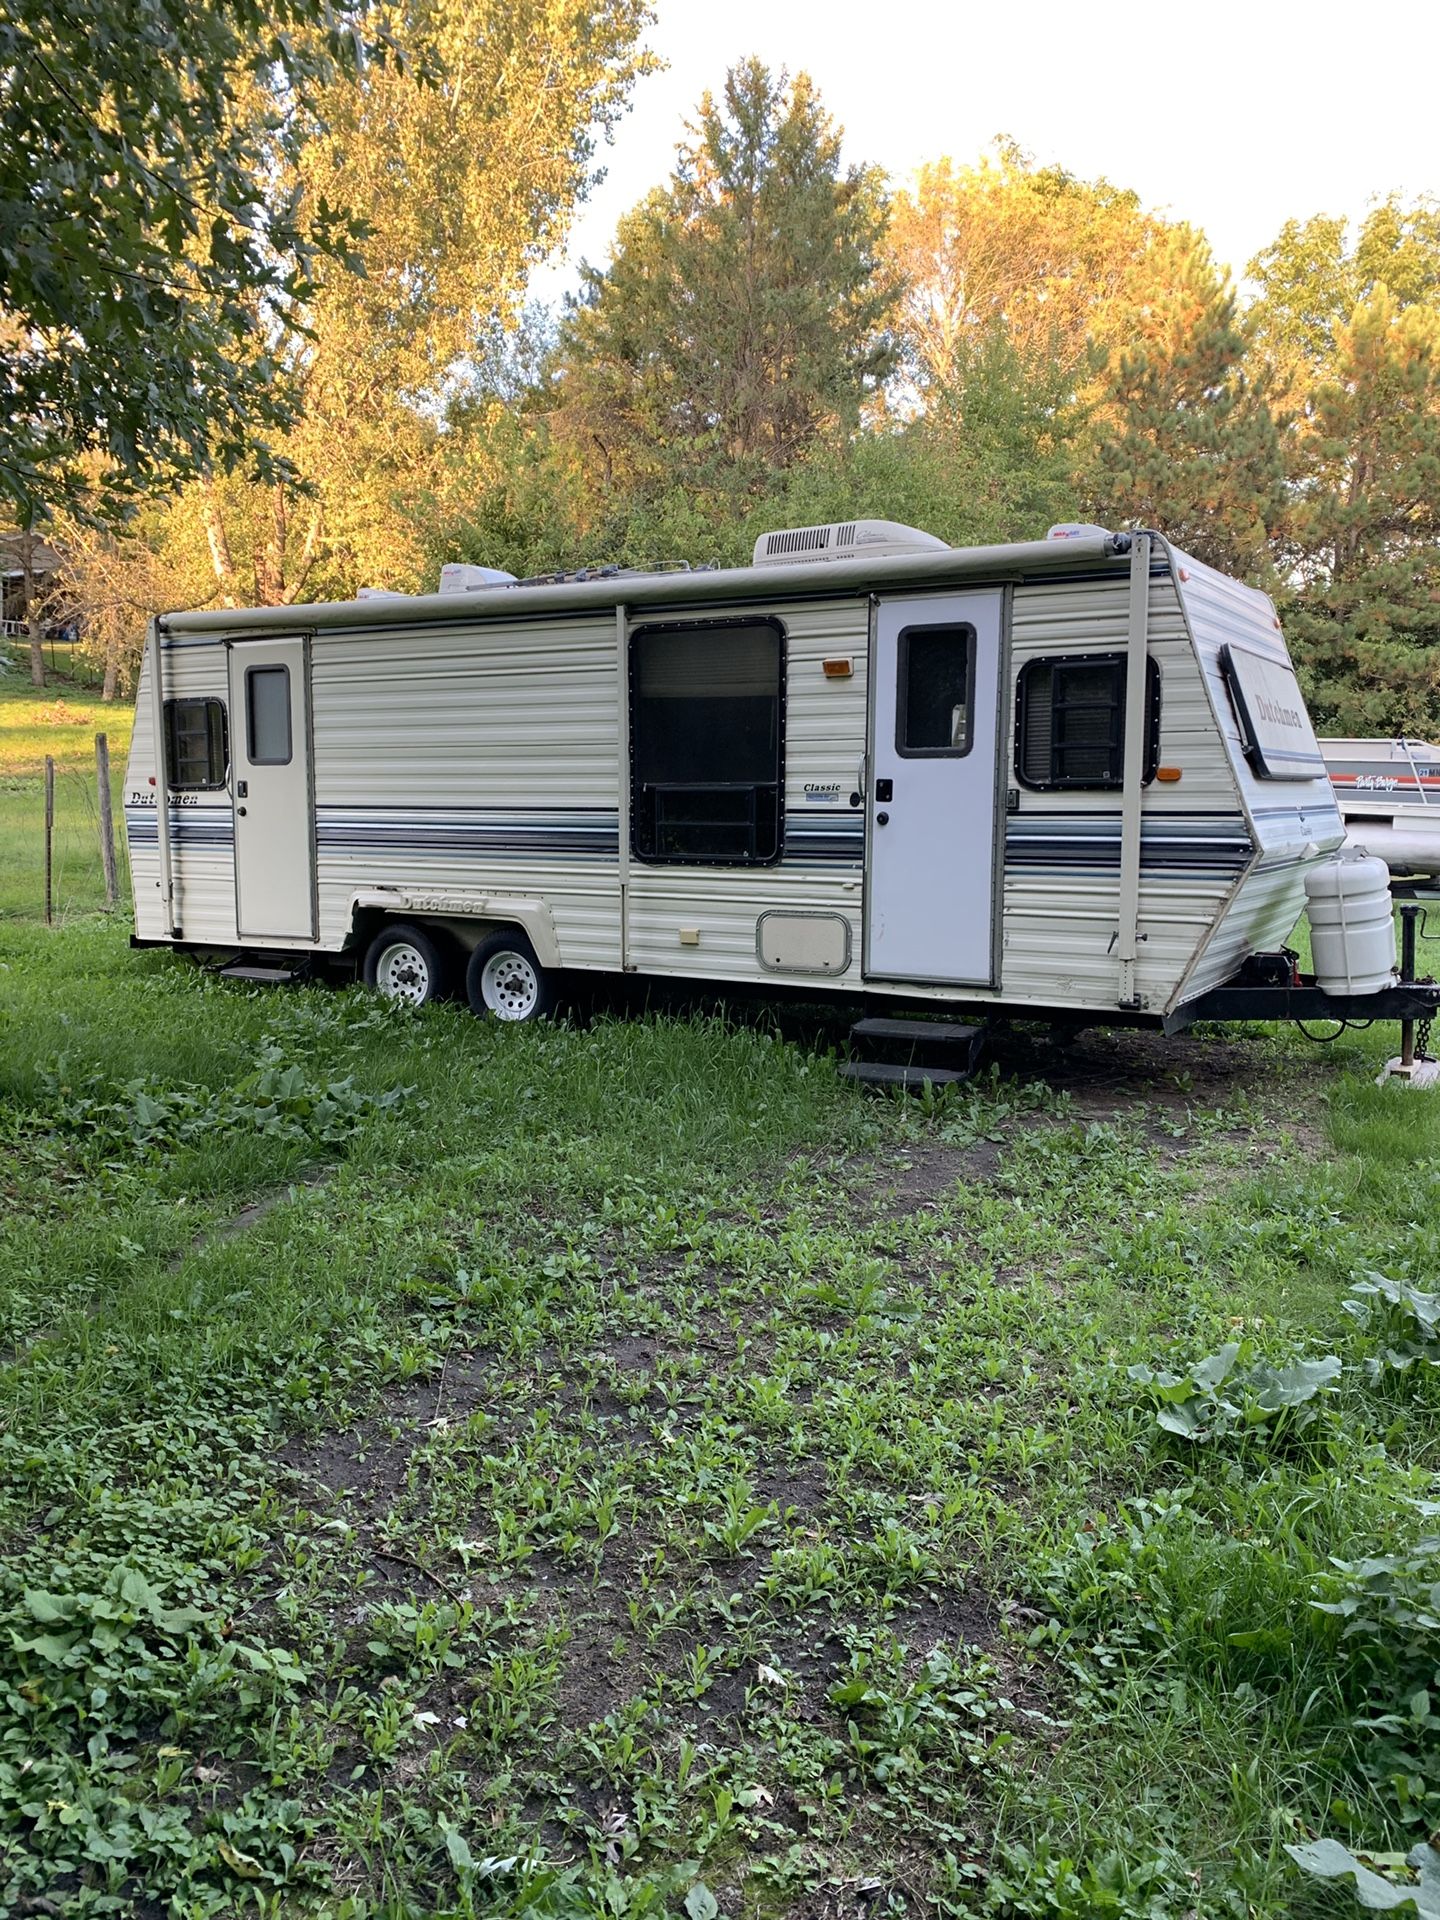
[1291, 823]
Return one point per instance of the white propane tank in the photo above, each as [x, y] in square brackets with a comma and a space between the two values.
[1352, 923]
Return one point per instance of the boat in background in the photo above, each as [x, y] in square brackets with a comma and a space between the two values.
[1389, 795]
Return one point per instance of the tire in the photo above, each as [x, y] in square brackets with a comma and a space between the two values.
[505, 981]
[407, 963]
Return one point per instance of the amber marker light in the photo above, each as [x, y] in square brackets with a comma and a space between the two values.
[1168, 774]
[838, 669]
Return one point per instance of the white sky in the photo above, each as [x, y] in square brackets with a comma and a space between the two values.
[1231, 114]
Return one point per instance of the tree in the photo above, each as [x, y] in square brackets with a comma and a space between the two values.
[1182, 437]
[1364, 528]
[1348, 325]
[744, 313]
[149, 265]
[466, 176]
[1033, 253]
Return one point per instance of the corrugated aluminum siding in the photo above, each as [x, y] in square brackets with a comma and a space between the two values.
[1062, 850]
[1294, 823]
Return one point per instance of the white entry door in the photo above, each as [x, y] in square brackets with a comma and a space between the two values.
[935, 702]
[270, 776]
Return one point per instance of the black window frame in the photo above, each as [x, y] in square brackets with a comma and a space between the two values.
[1088, 783]
[642, 823]
[902, 690]
[173, 783]
[268, 760]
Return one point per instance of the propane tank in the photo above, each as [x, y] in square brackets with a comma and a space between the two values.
[1352, 923]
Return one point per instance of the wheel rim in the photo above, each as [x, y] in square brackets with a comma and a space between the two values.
[510, 986]
[404, 974]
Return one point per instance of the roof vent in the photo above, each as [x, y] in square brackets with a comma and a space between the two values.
[842, 540]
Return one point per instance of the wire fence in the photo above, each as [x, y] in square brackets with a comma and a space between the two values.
[62, 657]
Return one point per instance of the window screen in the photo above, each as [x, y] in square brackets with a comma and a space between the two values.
[706, 740]
[196, 745]
[936, 687]
[267, 716]
[1070, 721]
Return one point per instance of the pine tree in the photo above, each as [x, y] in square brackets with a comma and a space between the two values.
[1364, 528]
[1183, 437]
[743, 314]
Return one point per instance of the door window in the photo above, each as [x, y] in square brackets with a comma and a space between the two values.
[267, 716]
[935, 691]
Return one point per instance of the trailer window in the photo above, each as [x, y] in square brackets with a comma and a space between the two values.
[707, 742]
[196, 745]
[1070, 721]
[267, 716]
[937, 672]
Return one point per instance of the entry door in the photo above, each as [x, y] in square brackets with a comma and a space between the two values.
[270, 776]
[930, 887]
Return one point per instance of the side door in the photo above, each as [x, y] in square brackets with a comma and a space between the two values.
[931, 809]
[270, 770]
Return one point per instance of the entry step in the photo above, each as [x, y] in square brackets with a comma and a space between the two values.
[266, 976]
[921, 1033]
[880, 1073]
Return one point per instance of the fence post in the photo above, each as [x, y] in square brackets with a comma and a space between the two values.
[49, 838]
[107, 824]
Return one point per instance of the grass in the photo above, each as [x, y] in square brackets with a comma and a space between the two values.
[61, 720]
[617, 1469]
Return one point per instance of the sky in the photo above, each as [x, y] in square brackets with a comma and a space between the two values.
[1231, 116]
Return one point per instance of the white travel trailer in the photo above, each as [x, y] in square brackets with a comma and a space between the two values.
[868, 764]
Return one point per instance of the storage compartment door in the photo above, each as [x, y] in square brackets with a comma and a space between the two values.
[935, 696]
[274, 815]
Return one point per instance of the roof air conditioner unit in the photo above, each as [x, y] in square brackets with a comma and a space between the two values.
[843, 540]
[456, 577]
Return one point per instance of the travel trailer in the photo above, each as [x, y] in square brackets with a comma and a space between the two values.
[1072, 777]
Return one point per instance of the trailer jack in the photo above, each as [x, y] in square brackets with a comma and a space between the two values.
[1412, 1066]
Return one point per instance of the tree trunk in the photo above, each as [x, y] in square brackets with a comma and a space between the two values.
[219, 545]
[112, 667]
[34, 622]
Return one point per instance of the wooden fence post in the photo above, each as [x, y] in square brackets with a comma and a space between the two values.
[107, 824]
[49, 838]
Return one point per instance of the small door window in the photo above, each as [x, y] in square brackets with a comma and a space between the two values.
[267, 716]
[933, 717]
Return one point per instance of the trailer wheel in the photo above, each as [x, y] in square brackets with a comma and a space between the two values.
[505, 981]
[407, 963]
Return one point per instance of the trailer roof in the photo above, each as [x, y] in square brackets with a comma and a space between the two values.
[937, 568]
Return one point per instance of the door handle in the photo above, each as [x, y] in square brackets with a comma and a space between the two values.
[881, 819]
[242, 789]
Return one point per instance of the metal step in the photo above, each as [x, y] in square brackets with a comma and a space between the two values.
[880, 1073]
[267, 976]
[921, 1033]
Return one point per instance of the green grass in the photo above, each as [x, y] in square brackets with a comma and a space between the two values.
[617, 1468]
[61, 721]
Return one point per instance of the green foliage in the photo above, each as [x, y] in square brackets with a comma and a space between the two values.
[1231, 1395]
[1377, 1893]
[743, 313]
[1403, 1321]
[145, 1117]
[138, 242]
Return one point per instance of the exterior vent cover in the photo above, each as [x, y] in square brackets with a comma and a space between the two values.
[804, 540]
[843, 540]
